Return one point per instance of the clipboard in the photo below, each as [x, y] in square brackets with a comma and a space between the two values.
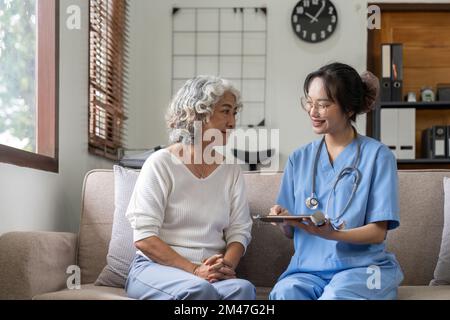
[281, 218]
[318, 218]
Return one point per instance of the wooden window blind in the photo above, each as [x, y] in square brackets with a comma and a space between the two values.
[108, 30]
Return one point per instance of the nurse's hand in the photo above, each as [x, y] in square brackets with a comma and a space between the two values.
[287, 229]
[325, 231]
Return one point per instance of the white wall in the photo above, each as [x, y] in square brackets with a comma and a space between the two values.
[37, 200]
[289, 60]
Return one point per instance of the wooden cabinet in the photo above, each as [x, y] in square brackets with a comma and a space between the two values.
[424, 31]
[428, 114]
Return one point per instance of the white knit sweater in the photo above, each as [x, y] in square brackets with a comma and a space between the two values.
[196, 217]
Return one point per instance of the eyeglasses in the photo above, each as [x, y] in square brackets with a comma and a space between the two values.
[321, 106]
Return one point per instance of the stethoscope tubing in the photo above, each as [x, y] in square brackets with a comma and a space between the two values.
[342, 174]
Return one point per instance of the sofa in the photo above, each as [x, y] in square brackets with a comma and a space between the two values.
[34, 264]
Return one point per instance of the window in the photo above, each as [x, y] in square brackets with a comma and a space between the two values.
[28, 83]
[108, 36]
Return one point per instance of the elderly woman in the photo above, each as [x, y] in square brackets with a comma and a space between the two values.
[190, 217]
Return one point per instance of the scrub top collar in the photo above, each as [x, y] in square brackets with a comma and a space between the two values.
[345, 158]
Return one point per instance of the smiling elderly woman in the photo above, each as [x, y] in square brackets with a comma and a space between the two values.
[191, 218]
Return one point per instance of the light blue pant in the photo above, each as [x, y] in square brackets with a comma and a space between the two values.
[350, 284]
[148, 280]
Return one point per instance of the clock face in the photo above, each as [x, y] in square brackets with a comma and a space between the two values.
[314, 20]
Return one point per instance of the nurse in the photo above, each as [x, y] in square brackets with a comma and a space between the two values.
[352, 179]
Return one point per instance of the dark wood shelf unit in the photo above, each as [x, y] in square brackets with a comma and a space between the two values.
[374, 131]
[419, 165]
[420, 28]
[423, 161]
[438, 105]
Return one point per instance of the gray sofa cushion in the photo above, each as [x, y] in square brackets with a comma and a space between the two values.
[416, 243]
[121, 247]
[269, 251]
[91, 292]
[87, 292]
[423, 293]
[442, 271]
[96, 222]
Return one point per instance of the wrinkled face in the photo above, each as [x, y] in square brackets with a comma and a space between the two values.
[327, 116]
[224, 116]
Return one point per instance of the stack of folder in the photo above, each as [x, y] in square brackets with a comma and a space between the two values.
[397, 131]
[391, 72]
[398, 125]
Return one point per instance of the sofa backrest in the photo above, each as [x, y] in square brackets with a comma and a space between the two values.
[418, 240]
[97, 212]
[416, 243]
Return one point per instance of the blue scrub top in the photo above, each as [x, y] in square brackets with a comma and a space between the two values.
[376, 199]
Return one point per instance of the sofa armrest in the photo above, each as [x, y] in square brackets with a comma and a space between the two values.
[35, 262]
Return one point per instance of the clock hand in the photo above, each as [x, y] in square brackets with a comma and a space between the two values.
[320, 11]
[313, 19]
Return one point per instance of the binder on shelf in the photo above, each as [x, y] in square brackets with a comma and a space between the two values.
[406, 133]
[447, 144]
[427, 138]
[388, 129]
[439, 142]
[397, 72]
[385, 86]
[435, 142]
[398, 131]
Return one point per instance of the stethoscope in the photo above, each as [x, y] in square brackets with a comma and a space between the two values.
[313, 203]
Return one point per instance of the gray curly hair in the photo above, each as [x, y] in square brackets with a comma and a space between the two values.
[193, 102]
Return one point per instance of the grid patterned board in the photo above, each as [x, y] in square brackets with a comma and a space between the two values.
[226, 42]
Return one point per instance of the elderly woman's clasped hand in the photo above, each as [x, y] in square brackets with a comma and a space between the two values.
[215, 268]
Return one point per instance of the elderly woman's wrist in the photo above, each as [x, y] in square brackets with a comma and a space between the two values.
[195, 269]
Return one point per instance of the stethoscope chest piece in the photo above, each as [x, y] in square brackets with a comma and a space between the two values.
[312, 203]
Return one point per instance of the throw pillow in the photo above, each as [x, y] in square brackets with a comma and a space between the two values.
[442, 271]
[121, 247]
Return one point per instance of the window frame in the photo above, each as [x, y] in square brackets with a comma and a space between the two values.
[46, 157]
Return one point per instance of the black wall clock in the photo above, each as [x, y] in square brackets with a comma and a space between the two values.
[314, 20]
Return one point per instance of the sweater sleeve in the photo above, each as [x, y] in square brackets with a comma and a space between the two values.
[148, 202]
[239, 229]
